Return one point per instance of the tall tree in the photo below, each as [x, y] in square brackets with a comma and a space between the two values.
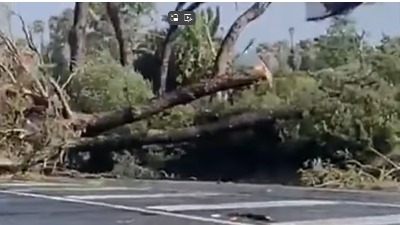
[76, 37]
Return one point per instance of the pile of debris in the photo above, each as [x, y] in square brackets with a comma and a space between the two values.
[34, 123]
[38, 130]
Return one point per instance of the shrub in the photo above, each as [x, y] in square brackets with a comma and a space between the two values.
[102, 84]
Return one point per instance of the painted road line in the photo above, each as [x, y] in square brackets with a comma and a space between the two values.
[37, 184]
[365, 220]
[137, 196]
[123, 207]
[83, 189]
[242, 205]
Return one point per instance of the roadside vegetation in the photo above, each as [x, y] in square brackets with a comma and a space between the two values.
[107, 95]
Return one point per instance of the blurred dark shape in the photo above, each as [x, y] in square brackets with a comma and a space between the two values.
[316, 11]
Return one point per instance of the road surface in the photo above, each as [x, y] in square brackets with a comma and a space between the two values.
[192, 203]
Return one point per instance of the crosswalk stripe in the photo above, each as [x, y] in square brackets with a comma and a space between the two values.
[242, 205]
[137, 196]
[83, 189]
[124, 207]
[365, 220]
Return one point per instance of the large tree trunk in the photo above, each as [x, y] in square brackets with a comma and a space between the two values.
[76, 36]
[243, 121]
[113, 15]
[110, 120]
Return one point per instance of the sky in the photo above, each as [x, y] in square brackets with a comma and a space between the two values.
[273, 25]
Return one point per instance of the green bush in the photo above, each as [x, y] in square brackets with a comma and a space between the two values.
[102, 84]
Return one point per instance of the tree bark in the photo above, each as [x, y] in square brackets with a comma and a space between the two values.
[243, 121]
[225, 53]
[113, 15]
[76, 36]
[110, 120]
[223, 61]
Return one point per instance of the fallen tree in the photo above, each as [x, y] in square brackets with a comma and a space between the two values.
[47, 123]
[109, 120]
[243, 121]
[222, 81]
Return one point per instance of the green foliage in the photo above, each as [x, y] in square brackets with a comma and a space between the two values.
[103, 84]
[196, 48]
[339, 46]
[132, 16]
[177, 117]
[347, 88]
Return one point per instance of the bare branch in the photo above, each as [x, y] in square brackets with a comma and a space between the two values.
[225, 53]
[70, 77]
[66, 109]
[10, 75]
[18, 57]
[28, 34]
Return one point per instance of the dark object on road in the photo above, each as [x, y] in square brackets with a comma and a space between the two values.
[251, 216]
[316, 11]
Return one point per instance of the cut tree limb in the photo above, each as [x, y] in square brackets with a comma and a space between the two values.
[243, 121]
[110, 120]
[66, 109]
[76, 36]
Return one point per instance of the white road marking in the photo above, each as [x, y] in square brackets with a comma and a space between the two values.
[365, 220]
[38, 184]
[376, 204]
[242, 205]
[122, 207]
[158, 195]
[81, 189]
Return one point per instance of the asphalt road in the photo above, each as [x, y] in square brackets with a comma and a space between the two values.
[193, 203]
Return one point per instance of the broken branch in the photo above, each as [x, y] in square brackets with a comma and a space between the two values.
[66, 109]
[28, 34]
[243, 121]
[225, 53]
[181, 96]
